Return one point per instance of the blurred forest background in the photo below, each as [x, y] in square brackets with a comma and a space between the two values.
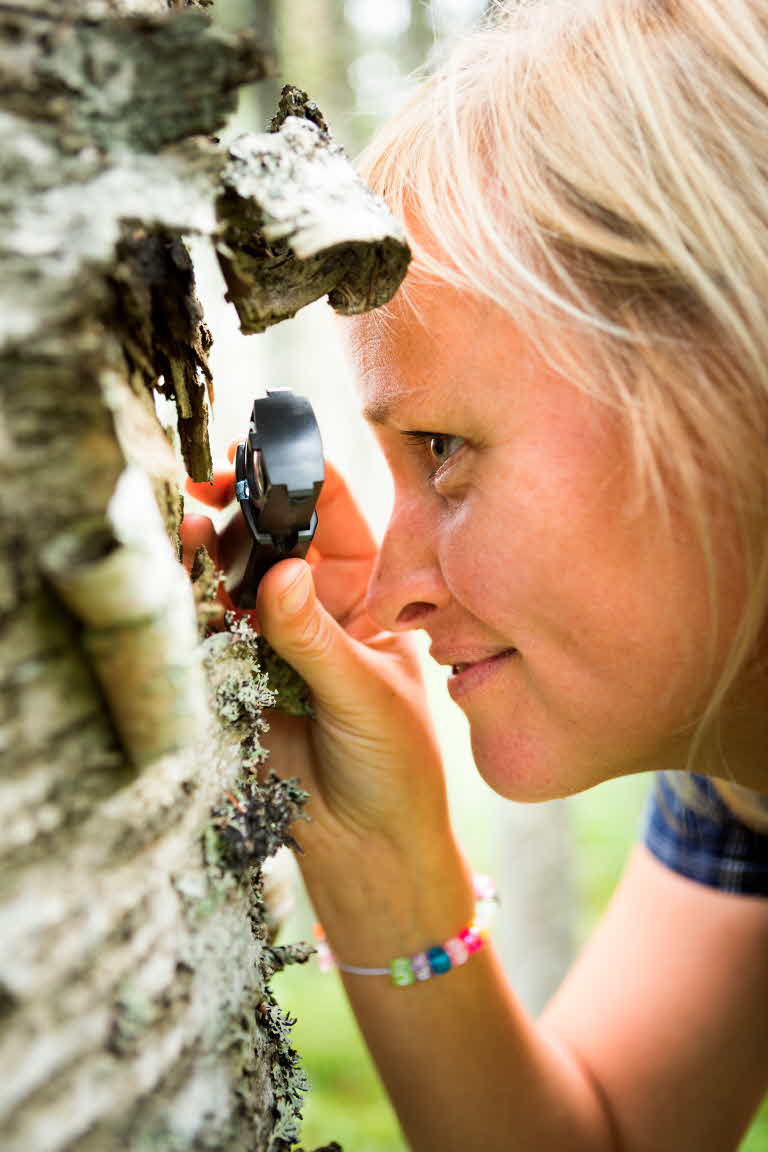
[555, 865]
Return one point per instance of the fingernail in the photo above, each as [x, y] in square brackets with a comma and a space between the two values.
[295, 596]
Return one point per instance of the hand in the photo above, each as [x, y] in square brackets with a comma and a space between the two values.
[369, 757]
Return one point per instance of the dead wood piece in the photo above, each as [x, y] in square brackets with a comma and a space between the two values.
[295, 102]
[164, 336]
[298, 223]
[205, 579]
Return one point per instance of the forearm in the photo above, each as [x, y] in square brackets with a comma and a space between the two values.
[463, 1064]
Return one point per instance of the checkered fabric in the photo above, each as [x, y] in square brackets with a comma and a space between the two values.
[704, 840]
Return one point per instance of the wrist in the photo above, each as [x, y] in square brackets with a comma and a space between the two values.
[434, 959]
[377, 900]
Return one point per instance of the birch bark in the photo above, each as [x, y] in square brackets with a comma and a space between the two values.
[134, 951]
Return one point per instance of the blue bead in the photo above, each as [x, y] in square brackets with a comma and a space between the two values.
[439, 960]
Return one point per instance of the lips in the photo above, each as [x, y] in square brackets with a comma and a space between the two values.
[466, 676]
[457, 669]
[470, 669]
[459, 663]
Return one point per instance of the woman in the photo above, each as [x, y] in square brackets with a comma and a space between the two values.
[571, 392]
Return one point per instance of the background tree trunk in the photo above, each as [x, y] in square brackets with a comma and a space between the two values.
[134, 953]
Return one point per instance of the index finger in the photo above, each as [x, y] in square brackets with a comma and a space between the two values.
[342, 530]
[218, 492]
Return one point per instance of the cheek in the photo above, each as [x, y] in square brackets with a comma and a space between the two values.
[474, 554]
[501, 557]
[610, 616]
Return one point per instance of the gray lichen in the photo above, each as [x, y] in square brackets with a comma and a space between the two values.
[255, 818]
[240, 687]
[290, 692]
[249, 823]
[278, 957]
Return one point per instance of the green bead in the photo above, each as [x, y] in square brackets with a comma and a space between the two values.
[402, 973]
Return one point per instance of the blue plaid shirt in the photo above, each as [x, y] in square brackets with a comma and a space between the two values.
[707, 843]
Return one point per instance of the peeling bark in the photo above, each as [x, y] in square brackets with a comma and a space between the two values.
[298, 223]
[163, 333]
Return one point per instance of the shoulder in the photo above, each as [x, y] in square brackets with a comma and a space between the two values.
[713, 832]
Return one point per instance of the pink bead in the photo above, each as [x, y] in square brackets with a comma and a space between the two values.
[471, 940]
[457, 950]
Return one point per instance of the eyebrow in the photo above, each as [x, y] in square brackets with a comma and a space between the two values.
[379, 411]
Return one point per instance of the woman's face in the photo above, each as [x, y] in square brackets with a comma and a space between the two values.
[576, 624]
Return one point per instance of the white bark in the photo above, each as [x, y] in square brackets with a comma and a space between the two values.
[134, 1004]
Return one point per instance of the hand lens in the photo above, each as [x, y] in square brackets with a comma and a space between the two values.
[279, 472]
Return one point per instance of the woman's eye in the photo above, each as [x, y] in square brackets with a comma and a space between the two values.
[438, 447]
[441, 447]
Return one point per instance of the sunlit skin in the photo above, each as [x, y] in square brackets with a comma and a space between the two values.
[528, 536]
[516, 525]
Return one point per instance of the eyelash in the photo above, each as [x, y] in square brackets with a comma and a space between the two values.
[420, 442]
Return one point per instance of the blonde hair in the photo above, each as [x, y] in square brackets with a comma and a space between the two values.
[601, 166]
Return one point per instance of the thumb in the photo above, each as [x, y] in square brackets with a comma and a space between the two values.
[300, 629]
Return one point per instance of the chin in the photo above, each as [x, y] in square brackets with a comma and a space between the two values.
[519, 769]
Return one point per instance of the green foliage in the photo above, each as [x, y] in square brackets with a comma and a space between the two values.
[757, 1137]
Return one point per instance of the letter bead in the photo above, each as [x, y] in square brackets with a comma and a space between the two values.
[421, 967]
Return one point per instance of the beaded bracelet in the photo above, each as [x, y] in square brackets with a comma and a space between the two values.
[435, 960]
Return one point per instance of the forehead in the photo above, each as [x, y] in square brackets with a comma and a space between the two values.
[438, 348]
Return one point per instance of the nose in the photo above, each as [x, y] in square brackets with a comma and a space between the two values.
[407, 586]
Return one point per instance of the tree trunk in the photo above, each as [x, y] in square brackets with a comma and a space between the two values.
[134, 950]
